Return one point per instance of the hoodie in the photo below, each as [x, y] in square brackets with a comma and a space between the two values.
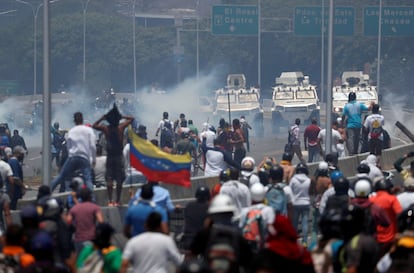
[300, 184]
[378, 215]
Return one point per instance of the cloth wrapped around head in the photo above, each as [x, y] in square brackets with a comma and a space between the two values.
[113, 116]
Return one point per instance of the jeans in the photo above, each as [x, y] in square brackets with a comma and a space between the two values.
[239, 154]
[313, 153]
[71, 165]
[301, 211]
[353, 135]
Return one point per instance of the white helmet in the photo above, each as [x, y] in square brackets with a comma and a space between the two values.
[372, 159]
[222, 203]
[323, 165]
[248, 163]
[247, 166]
[362, 188]
[257, 192]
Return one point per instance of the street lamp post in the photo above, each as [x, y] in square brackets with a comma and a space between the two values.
[197, 41]
[379, 49]
[35, 11]
[259, 46]
[134, 47]
[84, 9]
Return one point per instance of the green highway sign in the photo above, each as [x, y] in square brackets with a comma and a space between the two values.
[395, 21]
[308, 21]
[8, 87]
[234, 20]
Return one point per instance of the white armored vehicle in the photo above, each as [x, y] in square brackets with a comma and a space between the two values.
[293, 97]
[353, 81]
[239, 100]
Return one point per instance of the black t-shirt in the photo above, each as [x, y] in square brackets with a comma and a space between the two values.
[194, 215]
[201, 240]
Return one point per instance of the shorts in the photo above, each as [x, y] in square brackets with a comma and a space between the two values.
[375, 146]
[115, 168]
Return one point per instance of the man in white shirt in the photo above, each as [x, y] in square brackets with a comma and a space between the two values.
[81, 144]
[374, 171]
[374, 124]
[217, 160]
[238, 192]
[336, 137]
[151, 251]
[207, 136]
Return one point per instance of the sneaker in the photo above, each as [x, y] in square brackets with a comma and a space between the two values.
[111, 204]
[116, 204]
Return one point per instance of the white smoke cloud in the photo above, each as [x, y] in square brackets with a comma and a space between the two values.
[148, 107]
[395, 110]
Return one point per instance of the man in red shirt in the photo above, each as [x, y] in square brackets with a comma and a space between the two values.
[391, 205]
[310, 137]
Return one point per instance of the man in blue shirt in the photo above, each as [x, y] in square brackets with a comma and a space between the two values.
[139, 210]
[161, 197]
[351, 116]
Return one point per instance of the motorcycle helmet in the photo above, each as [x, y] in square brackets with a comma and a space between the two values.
[225, 175]
[302, 168]
[221, 204]
[382, 184]
[363, 168]
[276, 173]
[202, 193]
[335, 175]
[405, 219]
[362, 188]
[287, 157]
[257, 192]
[341, 186]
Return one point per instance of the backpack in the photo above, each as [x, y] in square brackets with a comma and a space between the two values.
[277, 199]
[9, 264]
[254, 229]
[223, 246]
[291, 134]
[167, 134]
[58, 140]
[245, 179]
[376, 129]
[93, 264]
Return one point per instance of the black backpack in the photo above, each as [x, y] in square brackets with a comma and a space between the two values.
[58, 140]
[167, 135]
[222, 252]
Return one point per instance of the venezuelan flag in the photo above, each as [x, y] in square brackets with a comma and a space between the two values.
[157, 165]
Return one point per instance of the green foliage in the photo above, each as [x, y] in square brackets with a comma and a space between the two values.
[109, 48]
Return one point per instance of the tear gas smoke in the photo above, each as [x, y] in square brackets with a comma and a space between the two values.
[147, 107]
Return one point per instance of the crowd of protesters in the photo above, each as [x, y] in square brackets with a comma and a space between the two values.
[267, 217]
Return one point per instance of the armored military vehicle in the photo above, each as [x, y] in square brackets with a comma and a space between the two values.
[240, 100]
[293, 97]
[353, 81]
